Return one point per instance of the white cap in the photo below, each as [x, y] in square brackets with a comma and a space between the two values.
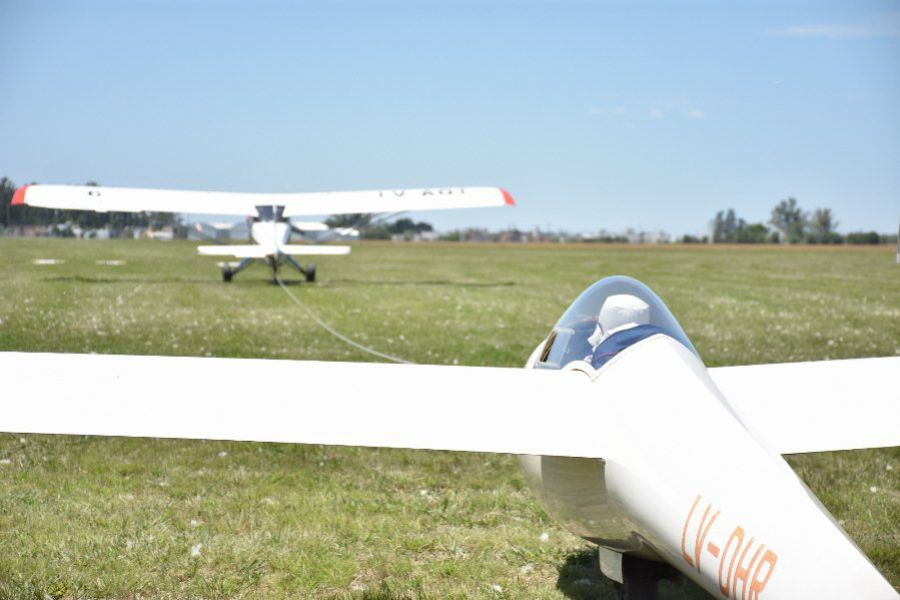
[623, 311]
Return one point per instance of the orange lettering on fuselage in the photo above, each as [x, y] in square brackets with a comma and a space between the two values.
[734, 567]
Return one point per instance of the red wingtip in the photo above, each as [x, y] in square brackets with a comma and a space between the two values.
[19, 196]
[507, 197]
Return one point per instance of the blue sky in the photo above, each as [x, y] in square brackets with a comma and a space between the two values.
[594, 115]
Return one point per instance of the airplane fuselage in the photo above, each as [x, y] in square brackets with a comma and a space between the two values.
[271, 235]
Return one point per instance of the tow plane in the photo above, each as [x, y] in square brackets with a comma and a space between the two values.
[273, 215]
[623, 433]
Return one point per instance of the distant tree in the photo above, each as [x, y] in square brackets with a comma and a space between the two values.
[724, 226]
[863, 237]
[7, 189]
[351, 220]
[730, 229]
[402, 226]
[789, 220]
[821, 228]
[756, 233]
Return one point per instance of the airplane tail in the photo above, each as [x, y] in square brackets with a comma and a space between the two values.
[240, 251]
[309, 250]
[257, 251]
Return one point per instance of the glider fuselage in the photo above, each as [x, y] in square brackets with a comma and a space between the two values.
[698, 489]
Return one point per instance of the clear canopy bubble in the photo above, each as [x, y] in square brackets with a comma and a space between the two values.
[612, 314]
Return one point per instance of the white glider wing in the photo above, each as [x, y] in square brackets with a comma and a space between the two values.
[398, 406]
[795, 407]
[106, 199]
[817, 406]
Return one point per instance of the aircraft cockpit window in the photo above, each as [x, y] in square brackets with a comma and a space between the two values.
[611, 315]
[269, 213]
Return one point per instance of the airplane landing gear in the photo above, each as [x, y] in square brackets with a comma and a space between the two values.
[308, 272]
[230, 269]
[641, 578]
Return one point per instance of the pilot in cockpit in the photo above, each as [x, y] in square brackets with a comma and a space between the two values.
[623, 320]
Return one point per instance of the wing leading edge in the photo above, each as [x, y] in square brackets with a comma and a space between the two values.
[398, 406]
[817, 406]
[795, 407]
[115, 199]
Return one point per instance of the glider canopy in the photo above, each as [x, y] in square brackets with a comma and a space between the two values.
[612, 305]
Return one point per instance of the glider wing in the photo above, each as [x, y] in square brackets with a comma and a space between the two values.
[400, 406]
[817, 406]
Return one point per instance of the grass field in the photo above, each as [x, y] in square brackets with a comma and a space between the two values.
[119, 518]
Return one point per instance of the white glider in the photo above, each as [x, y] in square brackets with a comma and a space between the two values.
[623, 433]
[271, 213]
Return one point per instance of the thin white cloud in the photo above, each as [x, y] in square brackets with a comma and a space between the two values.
[655, 112]
[882, 26]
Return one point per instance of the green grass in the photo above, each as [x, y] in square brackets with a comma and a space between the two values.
[117, 518]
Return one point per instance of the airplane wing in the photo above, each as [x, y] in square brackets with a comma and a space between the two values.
[106, 199]
[238, 250]
[257, 251]
[398, 406]
[817, 406]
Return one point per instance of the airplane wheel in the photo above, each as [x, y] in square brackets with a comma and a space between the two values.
[311, 272]
[227, 274]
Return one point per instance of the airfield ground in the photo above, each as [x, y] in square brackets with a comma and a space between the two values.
[119, 518]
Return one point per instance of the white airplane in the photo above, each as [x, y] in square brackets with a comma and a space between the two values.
[271, 229]
[623, 433]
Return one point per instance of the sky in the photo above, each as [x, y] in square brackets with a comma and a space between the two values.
[601, 115]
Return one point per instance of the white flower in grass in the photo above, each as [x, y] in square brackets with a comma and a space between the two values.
[873, 489]
[5, 461]
[496, 587]
[195, 523]
[545, 536]
[222, 454]
[195, 550]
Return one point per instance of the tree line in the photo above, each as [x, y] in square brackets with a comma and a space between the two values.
[788, 224]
